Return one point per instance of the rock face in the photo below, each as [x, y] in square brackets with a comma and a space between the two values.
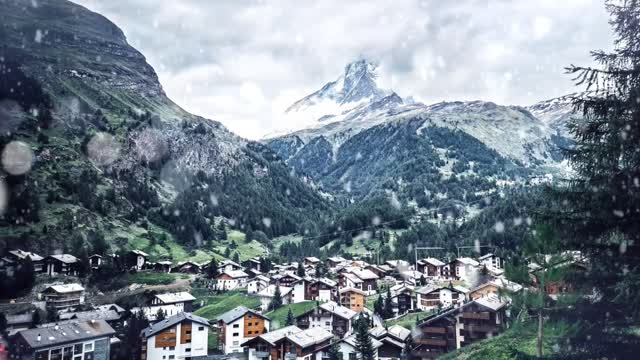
[113, 124]
[525, 138]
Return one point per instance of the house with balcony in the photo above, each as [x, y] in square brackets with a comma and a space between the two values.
[239, 325]
[20, 256]
[63, 297]
[433, 296]
[330, 316]
[430, 267]
[231, 279]
[352, 298]
[61, 264]
[267, 294]
[170, 303]
[181, 336]
[321, 290]
[290, 343]
[457, 327]
[348, 348]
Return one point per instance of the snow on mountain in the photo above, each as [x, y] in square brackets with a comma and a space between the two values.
[522, 134]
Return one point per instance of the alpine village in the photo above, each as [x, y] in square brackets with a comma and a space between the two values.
[133, 229]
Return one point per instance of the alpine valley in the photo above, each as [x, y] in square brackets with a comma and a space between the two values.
[114, 159]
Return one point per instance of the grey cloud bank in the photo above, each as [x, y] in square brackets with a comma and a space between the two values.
[244, 62]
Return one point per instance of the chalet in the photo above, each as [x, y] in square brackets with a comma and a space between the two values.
[162, 266]
[290, 342]
[231, 279]
[379, 271]
[349, 280]
[95, 261]
[253, 273]
[63, 297]
[463, 268]
[402, 299]
[349, 351]
[311, 261]
[458, 327]
[109, 313]
[334, 261]
[491, 260]
[393, 341]
[495, 287]
[433, 296]
[253, 264]
[228, 265]
[170, 303]
[369, 280]
[181, 336]
[287, 279]
[352, 298]
[329, 316]
[187, 267]
[74, 340]
[63, 264]
[571, 263]
[136, 259]
[321, 290]
[257, 284]
[19, 256]
[430, 267]
[239, 325]
[267, 294]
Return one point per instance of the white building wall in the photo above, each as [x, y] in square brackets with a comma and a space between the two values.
[325, 322]
[232, 342]
[324, 295]
[298, 292]
[198, 345]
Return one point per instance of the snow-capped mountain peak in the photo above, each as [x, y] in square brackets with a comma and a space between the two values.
[356, 85]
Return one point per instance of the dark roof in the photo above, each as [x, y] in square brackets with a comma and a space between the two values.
[171, 321]
[56, 334]
[106, 315]
[232, 315]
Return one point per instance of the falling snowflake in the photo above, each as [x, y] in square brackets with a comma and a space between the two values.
[17, 158]
[213, 199]
[38, 37]
[394, 201]
[103, 149]
[266, 221]
[376, 221]
[499, 227]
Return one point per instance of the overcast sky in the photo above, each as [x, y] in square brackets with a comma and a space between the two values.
[242, 62]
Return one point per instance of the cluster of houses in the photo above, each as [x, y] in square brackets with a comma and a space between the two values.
[465, 297]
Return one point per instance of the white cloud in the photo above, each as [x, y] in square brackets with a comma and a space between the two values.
[242, 61]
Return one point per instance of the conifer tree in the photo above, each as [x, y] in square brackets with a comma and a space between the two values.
[333, 353]
[290, 319]
[364, 345]
[276, 301]
[212, 270]
[598, 208]
[388, 305]
[300, 272]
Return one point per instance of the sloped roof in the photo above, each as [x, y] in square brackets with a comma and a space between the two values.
[171, 298]
[351, 340]
[235, 274]
[115, 307]
[65, 258]
[365, 274]
[171, 321]
[492, 302]
[106, 315]
[236, 313]
[468, 261]
[311, 336]
[433, 261]
[399, 332]
[338, 310]
[352, 277]
[52, 334]
[270, 291]
[24, 254]
[352, 289]
[272, 337]
[312, 259]
[485, 256]
[63, 289]
[229, 262]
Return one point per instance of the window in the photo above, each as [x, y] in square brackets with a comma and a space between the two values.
[249, 332]
[235, 326]
[77, 349]
[327, 323]
[236, 334]
[172, 348]
[88, 347]
[172, 356]
[236, 343]
[201, 328]
[353, 356]
[187, 350]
